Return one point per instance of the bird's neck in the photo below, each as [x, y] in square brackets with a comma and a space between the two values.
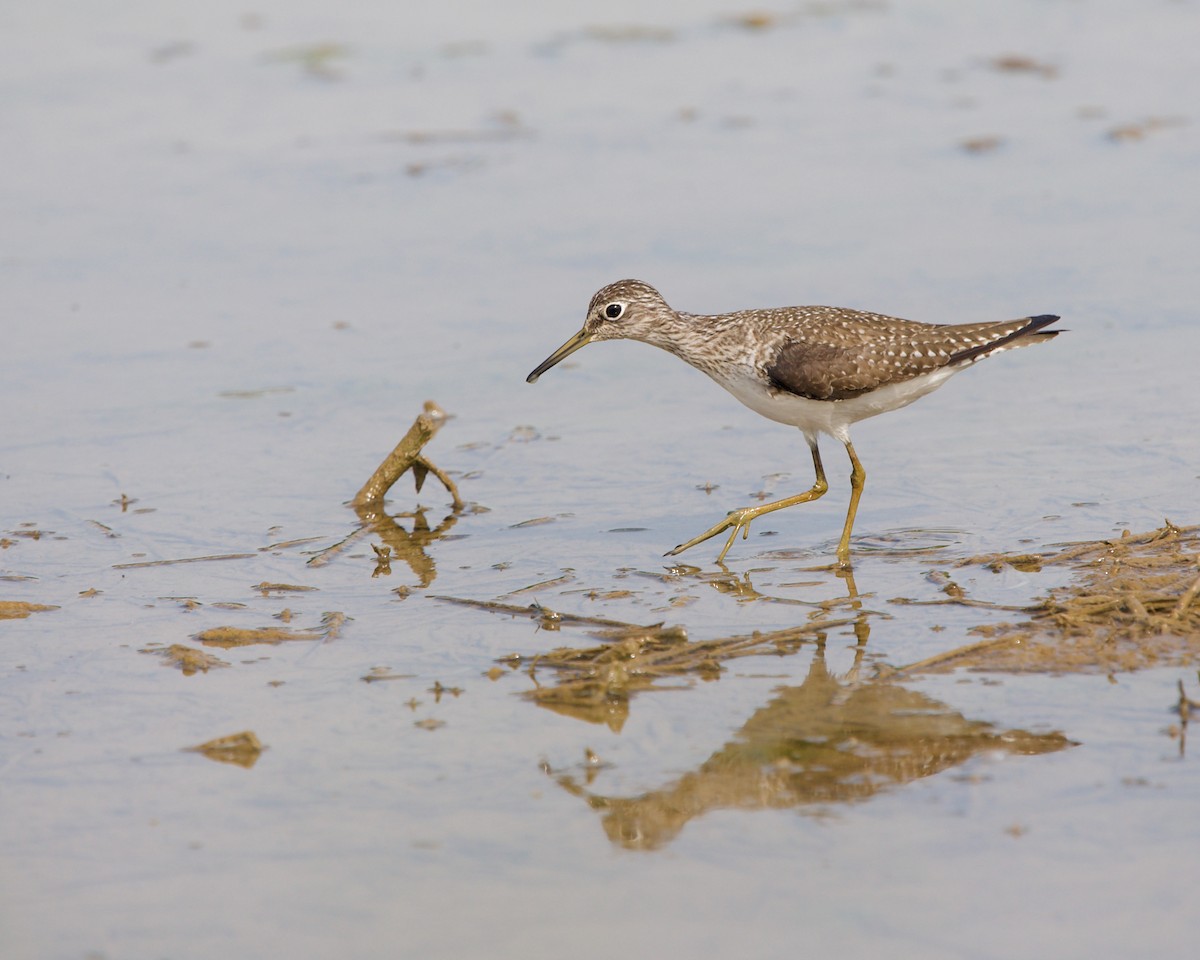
[694, 338]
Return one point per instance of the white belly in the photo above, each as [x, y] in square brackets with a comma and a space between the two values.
[829, 416]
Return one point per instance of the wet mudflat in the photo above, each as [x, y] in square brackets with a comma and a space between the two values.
[240, 717]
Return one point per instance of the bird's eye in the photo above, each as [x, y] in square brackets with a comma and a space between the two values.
[614, 310]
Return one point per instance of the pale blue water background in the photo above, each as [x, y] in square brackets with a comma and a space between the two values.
[173, 176]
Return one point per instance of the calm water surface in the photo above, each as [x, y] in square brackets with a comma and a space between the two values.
[243, 245]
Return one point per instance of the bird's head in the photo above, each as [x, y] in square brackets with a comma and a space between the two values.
[625, 310]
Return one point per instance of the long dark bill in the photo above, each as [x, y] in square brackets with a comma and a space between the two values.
[581, 339]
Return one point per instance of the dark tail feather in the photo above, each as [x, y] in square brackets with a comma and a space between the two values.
[1029, 332]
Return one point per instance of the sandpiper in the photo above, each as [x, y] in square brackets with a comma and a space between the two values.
[816, 368]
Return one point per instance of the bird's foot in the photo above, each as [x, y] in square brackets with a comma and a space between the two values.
[841, 566]
[737, 519]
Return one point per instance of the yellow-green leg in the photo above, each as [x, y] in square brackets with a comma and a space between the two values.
[740, 519]
[858, 479]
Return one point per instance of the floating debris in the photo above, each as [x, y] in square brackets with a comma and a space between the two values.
[596, 683]
[188, 659]
[1131, 132]
[567, 577]
[229, 637]
[1017, 63]
[1184, 706]
[242, 749]
[285, 544]
[629, 33]
[315, 59]
[20, 609]
[167, 563]
[755, 20]
[253, 394]
[535, 611]
[986, 144]
[376, 674]
[535, 522]
[438, 689]
[1132, 604]
[266, 588]
[30, 531]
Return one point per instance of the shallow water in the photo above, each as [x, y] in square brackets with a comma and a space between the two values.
[242, 248]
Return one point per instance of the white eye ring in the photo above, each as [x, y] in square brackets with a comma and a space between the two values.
[614, 310]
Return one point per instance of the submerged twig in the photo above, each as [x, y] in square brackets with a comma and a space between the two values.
[166, 563]
[326, 555]
[1186, 600]
[536, 611]
[947, 657]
